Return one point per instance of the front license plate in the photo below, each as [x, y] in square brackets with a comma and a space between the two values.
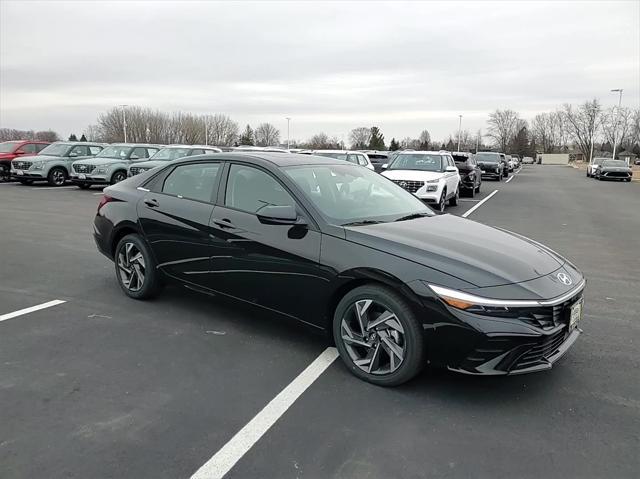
[82, 176]
[20, 172]
[575, 315]
[482, 171]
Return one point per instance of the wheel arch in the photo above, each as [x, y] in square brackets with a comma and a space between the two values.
[122, 230]
[118, 170]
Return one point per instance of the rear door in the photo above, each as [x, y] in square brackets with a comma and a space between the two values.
[275, 266]
[175, 216]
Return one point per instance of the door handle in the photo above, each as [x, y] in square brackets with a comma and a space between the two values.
[151, 202]
[224, 223]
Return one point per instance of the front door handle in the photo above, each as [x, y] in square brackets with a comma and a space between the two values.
[151, 202]
[224, 223]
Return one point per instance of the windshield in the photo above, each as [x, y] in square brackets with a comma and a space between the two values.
[460, 158]
[615, 163]
[487, 158]
[56, 149]
[115, 152]
[167, 154]
[337, 156]
[8, 146]
[347, 194]
[417, 161]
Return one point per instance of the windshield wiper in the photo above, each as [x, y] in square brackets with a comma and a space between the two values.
[362, 222]
[412, 216]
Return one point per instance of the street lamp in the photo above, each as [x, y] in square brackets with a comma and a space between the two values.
[124, 121]
[206, 131]
[288, 120]
[459, 131]
[615, 131]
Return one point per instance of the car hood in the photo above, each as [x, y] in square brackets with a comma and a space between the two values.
[4, 156]
[489, 164]
[610, 169]
[38, 158]
[412, 175]
[470, 251]
[92, 160]
[149, 164]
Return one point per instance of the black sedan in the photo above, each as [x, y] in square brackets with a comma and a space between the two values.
[614, 170]
[346, 251]
[470, 172]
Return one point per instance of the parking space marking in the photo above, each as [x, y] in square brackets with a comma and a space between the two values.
[98, 193]
[38, 307]
[239, 445]
[510, 178]
[467, 213]
[45, 188]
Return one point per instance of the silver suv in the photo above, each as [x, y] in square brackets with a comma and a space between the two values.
[110, 165]
[169, 153]
[53, 164]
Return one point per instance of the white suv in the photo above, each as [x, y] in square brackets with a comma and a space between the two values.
[430, 175]
[351, 156]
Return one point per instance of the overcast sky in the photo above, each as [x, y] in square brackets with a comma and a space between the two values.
[331, 66]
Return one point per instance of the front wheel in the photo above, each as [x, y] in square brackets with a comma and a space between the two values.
[57, 176]
[118, 176]
[443, 202]
[83, 186]
[135, 268]
[478, 187]
[378, 336]
[453, 201]
[4, 173]
[26, 182]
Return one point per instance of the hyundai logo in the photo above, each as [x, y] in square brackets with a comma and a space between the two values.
[403, 184]
[564, 278]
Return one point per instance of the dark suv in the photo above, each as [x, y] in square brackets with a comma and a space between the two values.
[491, 165]
[470, 173]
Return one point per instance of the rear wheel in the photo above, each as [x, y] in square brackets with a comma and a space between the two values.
[378, 336]
[57, 176]
[135, 268]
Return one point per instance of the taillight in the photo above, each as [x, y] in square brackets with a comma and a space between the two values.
[104, 200]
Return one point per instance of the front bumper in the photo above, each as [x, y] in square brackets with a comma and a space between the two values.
[27, 174]
[80, 179]
[531, 340]
[491, 174]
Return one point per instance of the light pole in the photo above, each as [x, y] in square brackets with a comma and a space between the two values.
[615, 131]
[459, 131]
[288, 120]
[593, 133]
[206, 131]
[124, 121]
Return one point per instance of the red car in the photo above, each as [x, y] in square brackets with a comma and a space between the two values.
[13, 149]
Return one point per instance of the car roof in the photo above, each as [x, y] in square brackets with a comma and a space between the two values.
[425, 152]
[136, 145]
[74, 143]
[26, 141]
[277, 159]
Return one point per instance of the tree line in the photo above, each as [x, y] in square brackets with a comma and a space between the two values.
[8, 134]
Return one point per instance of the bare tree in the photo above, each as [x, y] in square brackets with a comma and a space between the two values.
[221, 130]
[360, 138]
[321, 141]
[410, 143]
[46, 135]
[583, 121]
[503, 126]
[267, 135]
[425, 140]
[617, 126]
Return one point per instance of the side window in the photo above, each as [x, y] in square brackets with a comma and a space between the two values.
[138, 153]
[352, 159]
[194, 182]
[28, 148]
[40, 147]
[250, 189]
[79, 150]
[196, 151]
[362, 160]
[94, 150]
[151, 152]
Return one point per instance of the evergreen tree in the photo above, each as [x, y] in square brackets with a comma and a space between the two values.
[394, 145]
[450, 146]
[377, 139]
[73, 137]
[83, 138]
[247, 137]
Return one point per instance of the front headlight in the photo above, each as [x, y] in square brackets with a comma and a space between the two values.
[38, 165]
[433, 181]
[478, 304]
[100, 169]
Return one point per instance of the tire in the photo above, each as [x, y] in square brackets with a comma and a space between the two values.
[118, 176]
[129, 269]
[499, 177]
[478, 187]
[405, 333]
[599, 177]
[83, 186]
[4, 173]
[443, 202]
[472, 192]
[588, 175]
[26, 182]
[453, 201]
[57, 176]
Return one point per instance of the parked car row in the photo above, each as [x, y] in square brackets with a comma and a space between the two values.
[609, 169]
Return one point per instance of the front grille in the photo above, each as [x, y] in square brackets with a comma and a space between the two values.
[22, 165]
[616, 174]
[541, 351]
[410, 186]
[82, 168]
[136, 170]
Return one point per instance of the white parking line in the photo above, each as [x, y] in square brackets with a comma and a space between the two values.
[38, 307]
[98, 193]
[467, 213]
[510, 178]
[239, 445]
[42, 188]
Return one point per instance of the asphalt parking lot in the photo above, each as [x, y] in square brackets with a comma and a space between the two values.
[104, 386]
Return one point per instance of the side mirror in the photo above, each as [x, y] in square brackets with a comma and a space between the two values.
[451, 168]
[279, 215]
[385, 166]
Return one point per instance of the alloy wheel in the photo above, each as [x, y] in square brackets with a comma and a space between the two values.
[132, 266]
[4, 173]
[373, 337]
[118, 177]
[58, 177]
[443, 200]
